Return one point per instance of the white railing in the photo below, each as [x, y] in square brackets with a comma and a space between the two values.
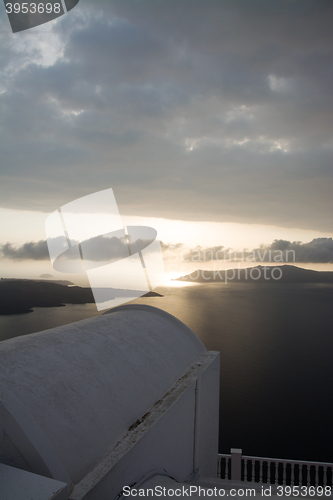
[240, 467]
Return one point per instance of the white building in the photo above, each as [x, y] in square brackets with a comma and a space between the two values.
[104, 403]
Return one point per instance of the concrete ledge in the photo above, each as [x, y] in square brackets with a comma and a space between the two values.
[17, 484]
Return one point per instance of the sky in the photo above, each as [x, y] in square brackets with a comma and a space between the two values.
[211, 120]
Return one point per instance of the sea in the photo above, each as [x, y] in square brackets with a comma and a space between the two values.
[276, 347]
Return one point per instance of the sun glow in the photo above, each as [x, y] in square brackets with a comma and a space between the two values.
[169, 281]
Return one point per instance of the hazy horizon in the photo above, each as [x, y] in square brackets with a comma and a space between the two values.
[210, 120]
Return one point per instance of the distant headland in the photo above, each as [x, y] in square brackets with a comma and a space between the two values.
[19, 296]
[260, 274]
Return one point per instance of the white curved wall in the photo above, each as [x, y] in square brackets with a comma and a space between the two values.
[78, 388]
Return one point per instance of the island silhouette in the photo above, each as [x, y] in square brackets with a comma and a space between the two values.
[260, 274]
[19, 296]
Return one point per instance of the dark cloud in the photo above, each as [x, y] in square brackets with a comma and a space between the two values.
[319, 250]
[188, 109]
[169, 246]
[104, 248]
[28, 251]
[98, 249]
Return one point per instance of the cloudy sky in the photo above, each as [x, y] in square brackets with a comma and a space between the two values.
[210, 119]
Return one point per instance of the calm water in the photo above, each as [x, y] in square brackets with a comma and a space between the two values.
[276, 345]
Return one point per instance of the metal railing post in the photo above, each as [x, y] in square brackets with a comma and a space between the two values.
[236, 464]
